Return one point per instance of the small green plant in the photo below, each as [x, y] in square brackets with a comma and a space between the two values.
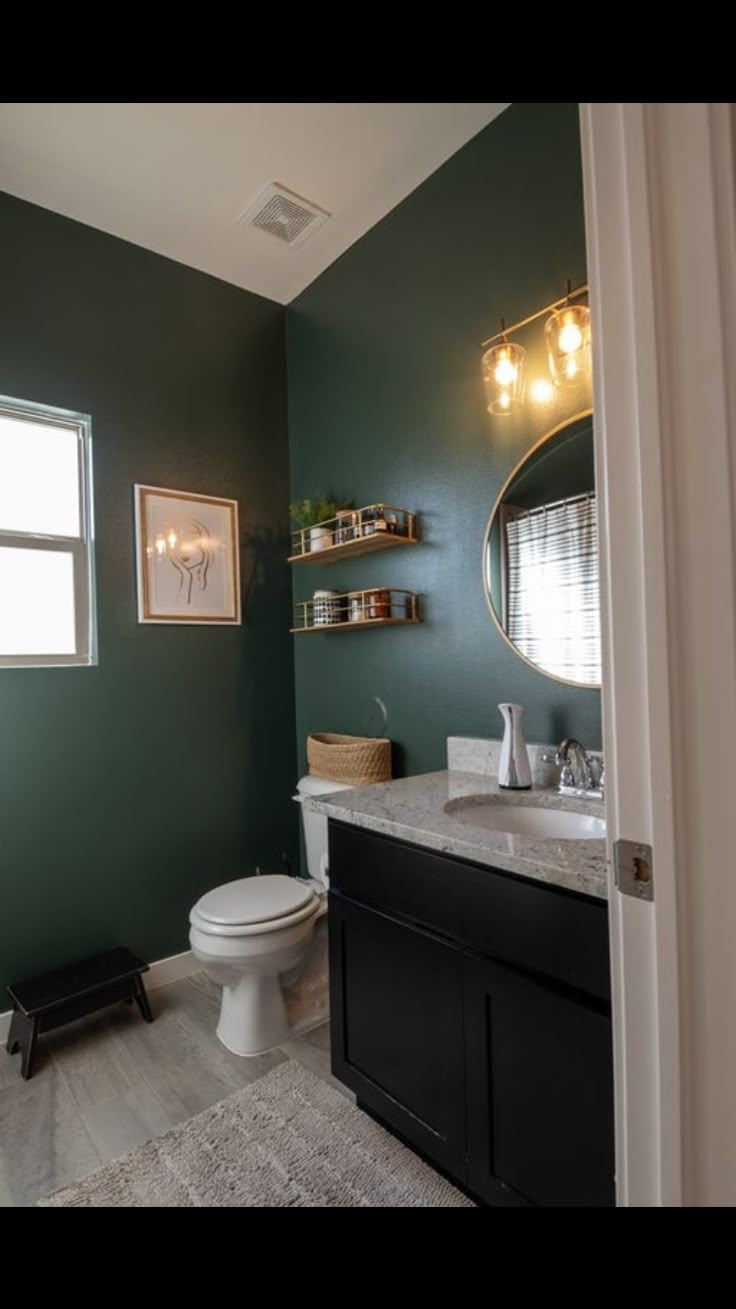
[306, 513]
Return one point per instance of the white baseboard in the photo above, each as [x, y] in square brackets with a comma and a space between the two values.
[160, 973]
[164, 971]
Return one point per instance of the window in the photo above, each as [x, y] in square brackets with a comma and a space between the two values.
[46, 604]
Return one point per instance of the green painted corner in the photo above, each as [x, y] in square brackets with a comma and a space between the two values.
[386, 403]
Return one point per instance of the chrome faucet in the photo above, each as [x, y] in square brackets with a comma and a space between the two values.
[581, 774]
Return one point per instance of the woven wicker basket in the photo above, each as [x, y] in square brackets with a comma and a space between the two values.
[355, 760]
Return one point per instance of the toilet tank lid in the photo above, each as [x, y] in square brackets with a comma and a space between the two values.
[312, 785]
[254, 899]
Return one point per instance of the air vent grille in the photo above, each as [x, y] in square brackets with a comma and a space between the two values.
[285, 215]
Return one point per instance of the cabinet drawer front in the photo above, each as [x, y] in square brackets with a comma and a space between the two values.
[545, 930]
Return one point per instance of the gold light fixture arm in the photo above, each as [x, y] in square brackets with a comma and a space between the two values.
[548, 309]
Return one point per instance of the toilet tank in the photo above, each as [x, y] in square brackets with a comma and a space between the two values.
[315, 825]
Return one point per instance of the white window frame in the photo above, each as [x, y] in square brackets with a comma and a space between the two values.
[81, 548]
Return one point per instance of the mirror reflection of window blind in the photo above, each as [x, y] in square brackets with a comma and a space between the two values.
[553, 596]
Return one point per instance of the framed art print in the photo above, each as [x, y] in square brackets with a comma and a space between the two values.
[187, 557]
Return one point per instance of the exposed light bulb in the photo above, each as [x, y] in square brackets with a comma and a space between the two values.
[505, 372]
[571, 367]
[542, 391]
[570, 339]
[160, 545]
[504, 400]
[172, 538]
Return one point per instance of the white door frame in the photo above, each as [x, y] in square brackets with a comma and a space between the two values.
[659, 200]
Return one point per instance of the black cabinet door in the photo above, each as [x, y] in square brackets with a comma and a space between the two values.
[396, 997]
[540, 1092]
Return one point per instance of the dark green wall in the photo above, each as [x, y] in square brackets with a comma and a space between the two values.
[128, 789]
[386, 403]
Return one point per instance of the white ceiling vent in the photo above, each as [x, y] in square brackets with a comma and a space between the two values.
[285, 215]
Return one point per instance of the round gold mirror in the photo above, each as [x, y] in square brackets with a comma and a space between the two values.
[540, 556]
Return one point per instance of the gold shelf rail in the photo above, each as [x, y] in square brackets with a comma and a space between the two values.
[378, 606]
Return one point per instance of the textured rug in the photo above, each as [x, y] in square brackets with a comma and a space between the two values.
[287, 1140]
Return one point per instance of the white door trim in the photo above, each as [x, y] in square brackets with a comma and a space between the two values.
[630, 439]
[660, 188]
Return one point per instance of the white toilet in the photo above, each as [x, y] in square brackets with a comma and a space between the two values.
[264, 941]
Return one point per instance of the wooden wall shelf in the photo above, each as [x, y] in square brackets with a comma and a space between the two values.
[351, 549]
[355, 532]
[379, 606]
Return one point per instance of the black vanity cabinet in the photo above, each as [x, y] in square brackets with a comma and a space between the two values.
[471, 1014]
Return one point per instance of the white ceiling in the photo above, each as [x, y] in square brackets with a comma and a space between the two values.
[176, 177]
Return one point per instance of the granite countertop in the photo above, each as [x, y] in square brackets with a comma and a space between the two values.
[419, 809]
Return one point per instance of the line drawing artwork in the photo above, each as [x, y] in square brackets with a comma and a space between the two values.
[187, 557]
[191, 549]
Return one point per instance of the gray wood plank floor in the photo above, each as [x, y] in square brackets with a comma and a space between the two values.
[110, 1081]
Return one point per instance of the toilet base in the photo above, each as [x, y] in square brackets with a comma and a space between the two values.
[253, 1016]
[299, 1029]
[254, 1019]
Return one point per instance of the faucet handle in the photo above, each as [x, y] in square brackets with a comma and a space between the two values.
[554, 757]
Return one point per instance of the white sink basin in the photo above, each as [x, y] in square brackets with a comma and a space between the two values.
[525, 820]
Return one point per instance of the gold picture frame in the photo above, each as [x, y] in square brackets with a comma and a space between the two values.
[187, 557]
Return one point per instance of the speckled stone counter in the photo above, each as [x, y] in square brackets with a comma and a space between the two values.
[420, 809]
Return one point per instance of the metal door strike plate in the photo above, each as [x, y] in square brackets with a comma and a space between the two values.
[634, 869]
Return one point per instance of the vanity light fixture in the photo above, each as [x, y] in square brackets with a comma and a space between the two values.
[567, 340]
[504, 375]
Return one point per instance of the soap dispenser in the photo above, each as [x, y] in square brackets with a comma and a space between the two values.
[514, 773]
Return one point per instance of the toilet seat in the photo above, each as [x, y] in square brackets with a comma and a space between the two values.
[253, 905]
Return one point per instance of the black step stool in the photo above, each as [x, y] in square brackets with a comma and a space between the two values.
[47, 1002]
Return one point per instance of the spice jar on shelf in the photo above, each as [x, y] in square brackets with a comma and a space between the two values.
[356, 607]
[368, 522]
[378, 604]
[345, 527]
[328, 607]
